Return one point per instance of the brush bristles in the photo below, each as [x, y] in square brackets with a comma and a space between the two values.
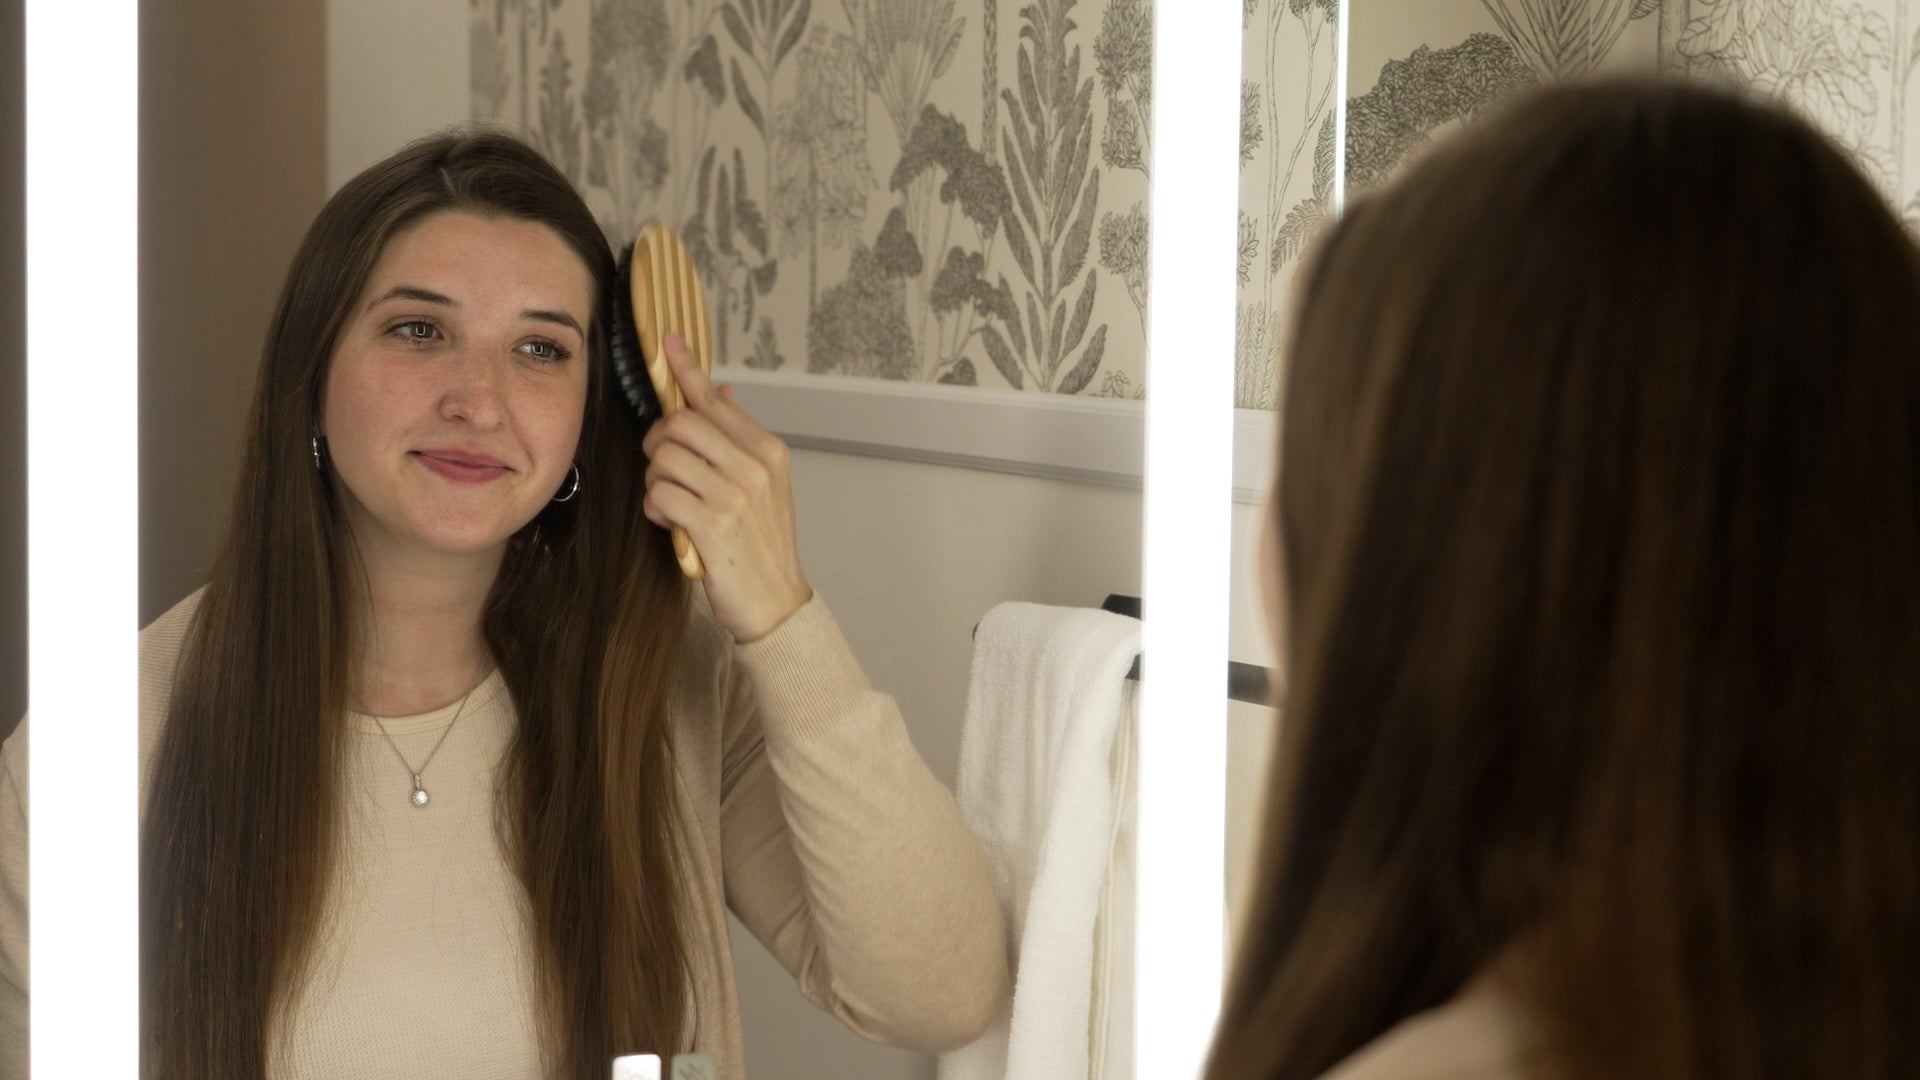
[623, 345]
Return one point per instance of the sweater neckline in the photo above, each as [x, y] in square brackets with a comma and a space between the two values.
[476, 700]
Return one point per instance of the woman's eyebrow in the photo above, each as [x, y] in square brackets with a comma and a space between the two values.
[412, 292]
[428, 296]
[559, 317]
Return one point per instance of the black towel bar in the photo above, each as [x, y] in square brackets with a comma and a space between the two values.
[1250, 683]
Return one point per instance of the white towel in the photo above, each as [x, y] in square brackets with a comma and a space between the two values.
[1037, 785]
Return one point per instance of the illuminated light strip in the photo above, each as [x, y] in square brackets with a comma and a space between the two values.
[1180, 922]
[82, 156]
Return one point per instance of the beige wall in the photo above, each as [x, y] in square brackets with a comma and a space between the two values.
[394, 72]
[13, 371]
[232, 167]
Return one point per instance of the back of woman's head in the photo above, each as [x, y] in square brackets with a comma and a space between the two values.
[1600, 517]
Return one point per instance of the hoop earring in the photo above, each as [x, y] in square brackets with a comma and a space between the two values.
[319, 464]
[572, 487]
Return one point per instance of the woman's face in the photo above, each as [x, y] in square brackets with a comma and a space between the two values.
[454, 397]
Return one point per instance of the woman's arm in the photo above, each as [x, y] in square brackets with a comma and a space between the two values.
[844, 855]
[840, 851]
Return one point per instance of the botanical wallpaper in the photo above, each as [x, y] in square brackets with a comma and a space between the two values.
[923, 190]
[1421, 65]
[956, 191]
[1287, 161]
[1847, 64]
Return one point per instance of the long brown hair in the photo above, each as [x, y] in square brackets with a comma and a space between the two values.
[1600, 505]
[585, 621]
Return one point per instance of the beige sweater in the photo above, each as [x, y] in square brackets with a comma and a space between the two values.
[814, 820]
[1477, 1036]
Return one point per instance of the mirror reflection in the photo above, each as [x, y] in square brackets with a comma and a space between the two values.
[395, 337]
[1591, 396]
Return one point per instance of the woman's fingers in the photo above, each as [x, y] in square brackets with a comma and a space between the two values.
[668, 504]
[682, 467]
[699, 434]
[716, 405]
[715, 472]
[695, 387]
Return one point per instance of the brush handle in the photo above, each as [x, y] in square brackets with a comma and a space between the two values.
[667, 300]
[683, 550]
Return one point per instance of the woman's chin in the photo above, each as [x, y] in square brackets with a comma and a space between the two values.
[466, 539]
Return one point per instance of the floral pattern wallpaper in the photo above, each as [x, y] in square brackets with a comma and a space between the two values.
[934, 191]
[1419, 66]
[956, 191]
[1846, 64]
[1287, 160]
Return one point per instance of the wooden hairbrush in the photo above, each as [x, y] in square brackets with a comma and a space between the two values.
[659, 294]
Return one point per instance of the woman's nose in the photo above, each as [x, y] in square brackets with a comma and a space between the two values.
[472, 391]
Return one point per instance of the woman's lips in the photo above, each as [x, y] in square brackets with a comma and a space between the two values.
[461, 468]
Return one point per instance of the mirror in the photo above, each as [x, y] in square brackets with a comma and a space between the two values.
[247, 128]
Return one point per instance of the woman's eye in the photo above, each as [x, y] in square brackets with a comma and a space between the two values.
[415, 330]
[545, 350]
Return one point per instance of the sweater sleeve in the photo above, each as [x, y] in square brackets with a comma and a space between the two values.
[844, 855]
[13, 905]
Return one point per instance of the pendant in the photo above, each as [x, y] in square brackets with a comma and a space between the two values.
[419, 793]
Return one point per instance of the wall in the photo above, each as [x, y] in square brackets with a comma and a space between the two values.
[1419, 67]
[1287, 158]
[392, 74]
[942, 191]
[13, 376]
[828, 250]
[232, 167]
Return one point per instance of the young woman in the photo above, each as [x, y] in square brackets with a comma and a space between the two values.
[1596, 556]
[448, 771]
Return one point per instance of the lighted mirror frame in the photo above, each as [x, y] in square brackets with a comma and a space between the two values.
[1180, 920]
[82, 155]
[1180, 913]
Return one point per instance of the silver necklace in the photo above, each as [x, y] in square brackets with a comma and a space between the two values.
[419, 796]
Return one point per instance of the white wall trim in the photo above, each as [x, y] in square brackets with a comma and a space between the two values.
[1057, 436]
[1053, 436]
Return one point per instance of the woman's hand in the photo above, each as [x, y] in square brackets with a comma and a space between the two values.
[715, 472]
